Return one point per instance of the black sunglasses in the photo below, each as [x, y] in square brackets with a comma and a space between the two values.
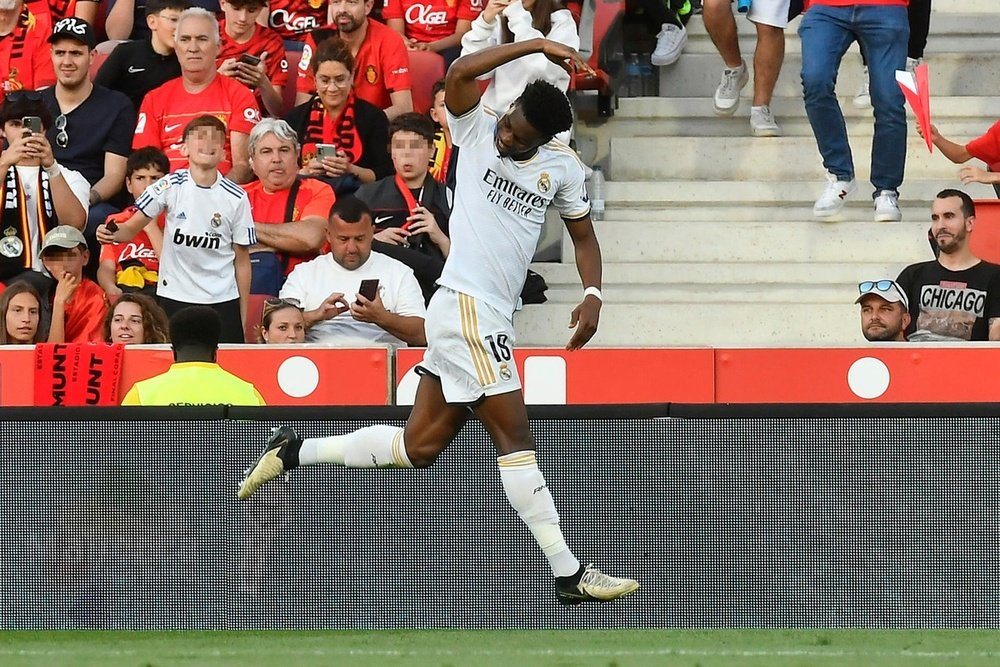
[21, 95]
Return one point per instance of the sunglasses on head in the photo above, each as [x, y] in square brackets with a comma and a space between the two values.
[876, 285]
[22, 95]
[274, 302]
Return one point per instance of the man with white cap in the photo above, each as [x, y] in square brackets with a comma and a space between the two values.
[884, 311]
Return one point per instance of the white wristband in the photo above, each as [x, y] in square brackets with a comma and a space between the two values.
[593, 291]
[53, 171]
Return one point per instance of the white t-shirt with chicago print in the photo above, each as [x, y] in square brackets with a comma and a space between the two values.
[202, 224]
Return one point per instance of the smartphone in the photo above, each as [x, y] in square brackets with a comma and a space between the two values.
[248, 59]
[326, 150]
[369, 289]
[111, 226]
[33, 123]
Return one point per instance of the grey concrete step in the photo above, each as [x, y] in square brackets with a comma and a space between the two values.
[721, 325]
[753, 158]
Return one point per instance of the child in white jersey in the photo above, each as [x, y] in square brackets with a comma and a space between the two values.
[207, 233]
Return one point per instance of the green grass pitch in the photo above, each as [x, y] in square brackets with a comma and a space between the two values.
[457, 648]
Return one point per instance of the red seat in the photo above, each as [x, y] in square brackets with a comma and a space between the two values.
[288, 94]
[255, 310]
[985, 239]
[426, 69]
[607, 29]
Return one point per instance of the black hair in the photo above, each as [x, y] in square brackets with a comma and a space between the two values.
[414, 122]
[546, 108]
[438, 87]
[147, 157]
[350, 209]
[196, 326]
[204, 121]
[21, 103]
[157, 6]
[968, 206]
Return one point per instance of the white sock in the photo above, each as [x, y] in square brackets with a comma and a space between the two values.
[529, 495]
[369, 447]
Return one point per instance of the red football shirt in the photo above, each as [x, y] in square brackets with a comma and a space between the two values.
[25, 59]
[139, 248]
[434, 19]
[986, 147]
[314, 198]
[166, 110]
[84, 314]
[381, 65]
[262, 40]
[293, 19]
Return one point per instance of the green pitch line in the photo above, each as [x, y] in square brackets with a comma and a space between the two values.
[456, 648]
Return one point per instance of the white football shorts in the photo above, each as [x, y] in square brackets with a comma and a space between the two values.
[470, 348]
[769, 12]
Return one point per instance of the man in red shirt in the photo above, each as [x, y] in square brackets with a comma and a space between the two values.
[382, 65]
[242, 36]
[199, 91]
[294, 19]
[25, 63]
[433, 25]
[290, 214]
[79, 306]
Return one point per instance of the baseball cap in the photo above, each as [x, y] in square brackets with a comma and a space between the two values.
[74, 28]
[63, 236]
[887, 289]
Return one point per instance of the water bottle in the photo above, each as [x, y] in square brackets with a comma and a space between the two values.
[650, 77]
[743, 6]
[597, 194]
[633, 75]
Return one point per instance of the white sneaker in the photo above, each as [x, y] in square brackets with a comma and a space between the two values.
[863, 100]
[832, 200]
[762, 123]
[727, 95]
[669, 44]
[887, 207]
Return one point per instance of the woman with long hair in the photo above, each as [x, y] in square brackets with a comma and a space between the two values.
[21, 307]
[344, 140]
[136, 319]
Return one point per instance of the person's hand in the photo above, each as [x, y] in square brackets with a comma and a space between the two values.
[312, 168]
[935, 135]
[584, 319]
[368, 310]
[419, 46]
[567, 58]
[66, 287]
[104, 235]
[38, 147]
[333, 305]
[336, 166]
[228, 67]
[17, 150]
[113, 293]
[970, 174]
[494, 8]
[393, 235]
[422, 220]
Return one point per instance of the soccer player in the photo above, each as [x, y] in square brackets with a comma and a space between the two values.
[206, 235]
[510, 172]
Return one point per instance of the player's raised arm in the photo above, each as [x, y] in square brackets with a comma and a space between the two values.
[462, 90]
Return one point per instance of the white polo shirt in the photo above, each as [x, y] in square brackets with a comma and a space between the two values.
[312, 282]
[202, 225]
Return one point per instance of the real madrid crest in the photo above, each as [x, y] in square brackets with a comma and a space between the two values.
[10, 245]
[544, 184]
[504, 372]
[216, 220]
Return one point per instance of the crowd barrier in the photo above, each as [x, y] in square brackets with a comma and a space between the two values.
[301, 375]
[746, 516]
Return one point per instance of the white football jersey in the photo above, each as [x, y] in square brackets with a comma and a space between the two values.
[500, 208]
[202, 224]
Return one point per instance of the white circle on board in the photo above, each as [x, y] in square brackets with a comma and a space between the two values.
[298, 376]
[868, 377]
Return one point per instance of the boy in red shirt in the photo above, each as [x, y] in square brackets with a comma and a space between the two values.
[242, 36]
[433, 25]
[79, 306]
[133, 266]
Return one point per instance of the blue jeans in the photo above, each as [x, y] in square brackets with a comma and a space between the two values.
[882, 31]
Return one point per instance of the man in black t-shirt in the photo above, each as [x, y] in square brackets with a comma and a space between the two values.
[135, 68]
[955, 297]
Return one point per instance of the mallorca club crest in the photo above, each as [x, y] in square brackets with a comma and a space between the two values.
[371, 76]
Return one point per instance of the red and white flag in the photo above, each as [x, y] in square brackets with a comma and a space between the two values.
[917, 91]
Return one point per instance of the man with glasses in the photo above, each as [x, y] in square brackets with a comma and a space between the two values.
[884, 311]
[955, 297]
[381, 62]
[92, 131]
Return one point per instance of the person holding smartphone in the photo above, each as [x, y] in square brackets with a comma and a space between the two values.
[352, 296]
[253, 54]
[58, 196]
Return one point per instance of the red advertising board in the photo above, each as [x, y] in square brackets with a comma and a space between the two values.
[595, 376]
